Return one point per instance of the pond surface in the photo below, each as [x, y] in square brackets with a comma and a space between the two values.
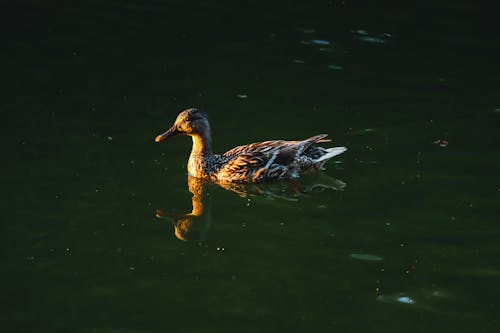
[400, 233]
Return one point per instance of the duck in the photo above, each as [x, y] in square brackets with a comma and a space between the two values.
[252, 163]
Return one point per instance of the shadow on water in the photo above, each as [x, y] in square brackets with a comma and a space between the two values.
[193, 226]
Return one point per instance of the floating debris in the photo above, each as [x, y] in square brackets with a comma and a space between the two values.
[298, 61]
[242, 96]
[441, 143]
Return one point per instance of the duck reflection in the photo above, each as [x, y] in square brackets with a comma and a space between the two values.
[194, 226]
[286, 190]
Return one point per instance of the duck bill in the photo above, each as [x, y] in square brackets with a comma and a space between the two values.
[167, 135]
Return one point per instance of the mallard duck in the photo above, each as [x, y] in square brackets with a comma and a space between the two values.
[256, 162]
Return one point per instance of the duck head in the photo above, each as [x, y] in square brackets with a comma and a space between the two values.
[192, 122]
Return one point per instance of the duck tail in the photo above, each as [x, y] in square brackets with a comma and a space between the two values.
[331, 152]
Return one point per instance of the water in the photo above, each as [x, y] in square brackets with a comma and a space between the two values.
[402, 236]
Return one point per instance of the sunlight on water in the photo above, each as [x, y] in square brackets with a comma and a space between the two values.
[320, 42]
[370, 37]
[396, 299]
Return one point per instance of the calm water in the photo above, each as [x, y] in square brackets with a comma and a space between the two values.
[403, 234]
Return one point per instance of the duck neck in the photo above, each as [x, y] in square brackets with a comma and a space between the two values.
[202, 145]
[202, 148]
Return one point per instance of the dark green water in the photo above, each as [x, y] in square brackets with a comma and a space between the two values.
[411, 243]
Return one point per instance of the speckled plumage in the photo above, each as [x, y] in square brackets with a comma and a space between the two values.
[256, 162]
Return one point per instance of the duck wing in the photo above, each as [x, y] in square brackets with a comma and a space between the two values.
[250, 166]
[265, 160]
[260, 147]
[267, 146]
